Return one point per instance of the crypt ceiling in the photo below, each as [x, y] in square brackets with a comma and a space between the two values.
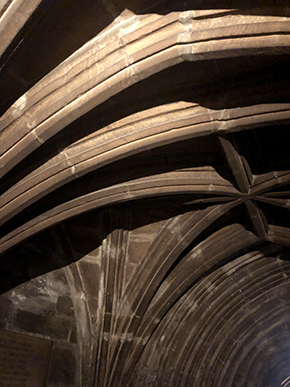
[149, 141]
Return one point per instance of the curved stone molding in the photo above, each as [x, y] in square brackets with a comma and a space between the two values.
[15, 15]
[157, 154]
[125, 58]
[107, 145]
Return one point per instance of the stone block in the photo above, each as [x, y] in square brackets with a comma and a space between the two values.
[65, 305]
[90, 274]
[5, 308]
[137, 250]
[47, 324]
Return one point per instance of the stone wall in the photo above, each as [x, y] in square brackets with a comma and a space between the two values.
[42, 307]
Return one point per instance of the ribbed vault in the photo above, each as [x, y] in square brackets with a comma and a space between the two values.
[153, 142]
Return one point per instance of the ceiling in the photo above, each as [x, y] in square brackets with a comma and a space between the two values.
[152, 140]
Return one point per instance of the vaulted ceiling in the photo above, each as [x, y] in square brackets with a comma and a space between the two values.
[149, 140]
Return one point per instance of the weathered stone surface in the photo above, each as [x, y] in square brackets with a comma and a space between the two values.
[5, 310]
[24, 360]
[64, 305]
[74, 336]
[63, 367]
[147, 177]
[47, 324]
[136, 250]
[42, 307]
[129, 271]
[90, 274]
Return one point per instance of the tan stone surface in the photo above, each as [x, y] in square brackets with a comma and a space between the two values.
[151, 147]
